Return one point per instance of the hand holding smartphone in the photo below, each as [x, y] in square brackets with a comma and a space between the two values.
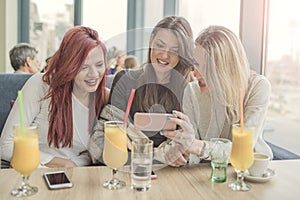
[153, 122]
[57, 180]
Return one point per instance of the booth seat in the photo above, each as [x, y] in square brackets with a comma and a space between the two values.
[9, 86]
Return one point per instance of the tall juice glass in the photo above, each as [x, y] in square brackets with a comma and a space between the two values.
[26, 157]
[241, 156]
[115, 151]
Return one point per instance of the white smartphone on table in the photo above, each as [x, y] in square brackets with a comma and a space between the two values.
[153, 122]
[57, 180]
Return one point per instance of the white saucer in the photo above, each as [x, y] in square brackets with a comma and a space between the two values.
[268, 175]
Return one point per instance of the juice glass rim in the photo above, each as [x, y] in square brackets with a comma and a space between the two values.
[25, 126]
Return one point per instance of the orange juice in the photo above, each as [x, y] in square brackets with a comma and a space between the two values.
[242, 148]
[26, 155]
[115, 146]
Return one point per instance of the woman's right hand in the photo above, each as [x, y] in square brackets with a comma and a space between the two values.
[185, 135]
[60, 162]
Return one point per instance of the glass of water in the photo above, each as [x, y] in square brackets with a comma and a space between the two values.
[141, 164]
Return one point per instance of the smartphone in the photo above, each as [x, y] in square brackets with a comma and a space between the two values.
[153, 122]
[57, 180]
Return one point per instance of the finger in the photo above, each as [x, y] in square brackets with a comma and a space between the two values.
[180, 115]
[168, 134]
[180, 161]
[182, 123]
[186, 156]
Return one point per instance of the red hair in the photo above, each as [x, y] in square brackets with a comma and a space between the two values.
[63, 67]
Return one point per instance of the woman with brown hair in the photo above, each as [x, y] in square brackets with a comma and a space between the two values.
[160, 82]
[65, 101]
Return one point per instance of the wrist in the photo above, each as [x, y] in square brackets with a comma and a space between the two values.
[203, 149]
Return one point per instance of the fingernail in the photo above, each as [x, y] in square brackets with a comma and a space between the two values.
[168, 117]
[161, 132]
[174, 112]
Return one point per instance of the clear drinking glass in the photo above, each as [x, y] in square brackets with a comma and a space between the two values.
[241, 156]
[141, 164]
[26, 157]
[115, 151]
[219, 152]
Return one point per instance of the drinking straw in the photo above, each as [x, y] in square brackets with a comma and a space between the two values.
[129, 106]
[241, 110]
[20, 101]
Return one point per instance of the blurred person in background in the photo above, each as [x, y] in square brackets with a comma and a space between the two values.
[130, 63]
[119, 59]
[23, 59]
[44, 70]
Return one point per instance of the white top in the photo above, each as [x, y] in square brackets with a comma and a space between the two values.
[256, 101]
[36, 112]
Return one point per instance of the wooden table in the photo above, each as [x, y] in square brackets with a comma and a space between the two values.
[190, 182]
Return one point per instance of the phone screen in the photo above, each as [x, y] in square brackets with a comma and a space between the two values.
[153, 122]
[57, 178]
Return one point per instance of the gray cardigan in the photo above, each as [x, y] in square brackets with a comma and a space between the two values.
[256, 103]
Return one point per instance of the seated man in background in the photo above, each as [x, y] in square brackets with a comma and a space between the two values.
[23, 59]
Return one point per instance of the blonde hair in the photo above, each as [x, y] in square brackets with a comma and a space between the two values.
[226, 69]
[130, 62]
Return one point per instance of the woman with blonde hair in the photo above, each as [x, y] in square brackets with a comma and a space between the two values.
[212, 101]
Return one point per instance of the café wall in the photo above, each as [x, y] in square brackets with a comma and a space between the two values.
[8, 31]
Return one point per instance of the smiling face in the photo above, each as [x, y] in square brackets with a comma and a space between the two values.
[164, 52]
[91, 73]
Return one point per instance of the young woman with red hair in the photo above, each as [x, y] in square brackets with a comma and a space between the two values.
[65, 101]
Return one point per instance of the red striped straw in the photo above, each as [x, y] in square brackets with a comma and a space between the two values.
[129, 106]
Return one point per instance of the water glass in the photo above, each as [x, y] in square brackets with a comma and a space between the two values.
[141, 164]
[220, 149]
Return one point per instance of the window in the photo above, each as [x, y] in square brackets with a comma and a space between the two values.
[283, 71]
[48, 23]
[202, 13]
[109, 18]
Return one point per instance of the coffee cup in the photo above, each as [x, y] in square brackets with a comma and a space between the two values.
[260, 165]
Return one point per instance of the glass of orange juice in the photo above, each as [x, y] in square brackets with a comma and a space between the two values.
[25, 158]
[241, 156]
[115, 151]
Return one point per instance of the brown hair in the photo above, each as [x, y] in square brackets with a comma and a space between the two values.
[171, 95]
[130, 62]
